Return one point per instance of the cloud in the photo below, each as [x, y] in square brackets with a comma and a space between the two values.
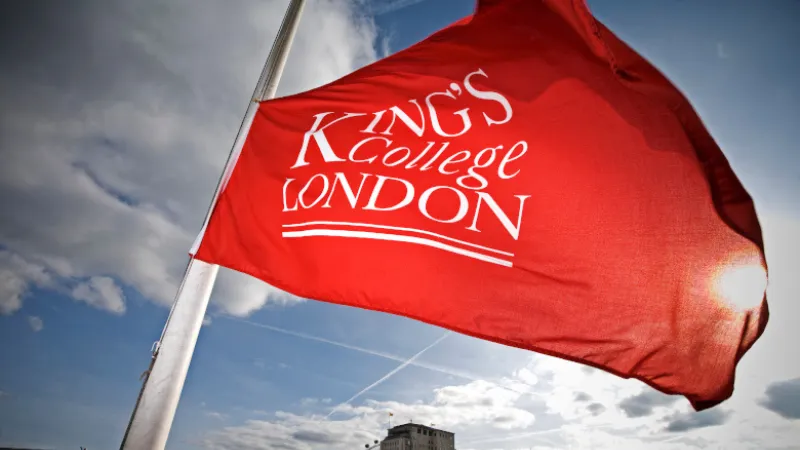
[216, 415]
[783, 397]
[691, 420]
[111, 155]
[11, 289]
[481, 406]
[643, 404]
[596, 408]
[316, 437]
[567, 386]
[487, 415]
[474, 403]
[291, 432]
[36, 323]
[484, 414]
[240, 295]
[102, 293]
[16, 276]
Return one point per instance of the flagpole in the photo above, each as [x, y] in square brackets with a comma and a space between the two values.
[158, 399]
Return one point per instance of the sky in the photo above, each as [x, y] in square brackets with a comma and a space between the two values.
[115, 121]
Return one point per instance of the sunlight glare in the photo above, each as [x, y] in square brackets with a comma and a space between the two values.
[741, 284]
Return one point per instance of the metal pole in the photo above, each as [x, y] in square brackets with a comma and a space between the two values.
[155, 408]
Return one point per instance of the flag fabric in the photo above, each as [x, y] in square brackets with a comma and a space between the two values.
[521, 176]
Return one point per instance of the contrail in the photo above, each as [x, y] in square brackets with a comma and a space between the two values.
[390, 356]
[391, 6]
[319, 339]
[389, 375]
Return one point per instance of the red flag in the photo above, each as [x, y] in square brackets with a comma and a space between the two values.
[521, 176]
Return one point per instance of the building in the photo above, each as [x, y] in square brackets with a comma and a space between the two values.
[412, 436]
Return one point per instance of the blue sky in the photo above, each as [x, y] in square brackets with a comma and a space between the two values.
[114, 123]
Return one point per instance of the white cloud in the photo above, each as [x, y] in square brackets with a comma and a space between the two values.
[290, 432]
[483, 414]
[110, 164]
[102, 293]
[35, 323]
[239, 295]
[12, 287]
[783, 398]
[478, 404]
[562, 380]
[216, 415]
[16, 276]
[542, 410]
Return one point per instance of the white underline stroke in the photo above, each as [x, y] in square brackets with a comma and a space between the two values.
[397, 238]
[388, 227]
